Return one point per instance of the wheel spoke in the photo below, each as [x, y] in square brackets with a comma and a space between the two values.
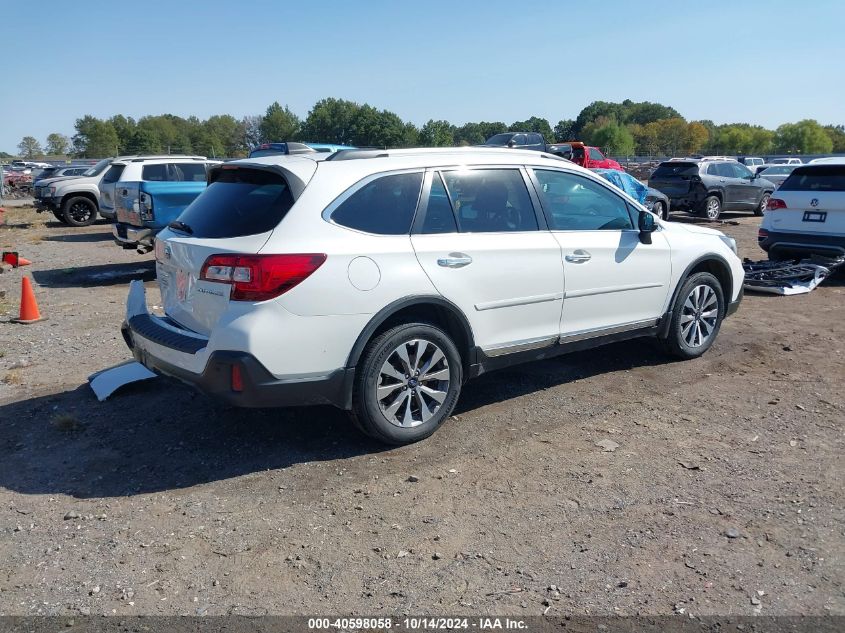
[425, 412]
[707, 328]
[393, 407]
[710, 314]
[439, 374]
[686, 332]
[385, 390]
[389, 370]
[438, 396]
[686, 318]
[408, 418]
[402, 353]
[421, 347]
[436, 357]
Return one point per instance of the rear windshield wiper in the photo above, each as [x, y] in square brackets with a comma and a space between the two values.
[181, 226]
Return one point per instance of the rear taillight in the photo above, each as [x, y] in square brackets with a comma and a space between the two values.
[775, 204]
[145, 207]
[762, 234]
[260, 277]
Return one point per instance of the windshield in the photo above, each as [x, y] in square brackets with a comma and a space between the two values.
[499, 139]
[99, 168]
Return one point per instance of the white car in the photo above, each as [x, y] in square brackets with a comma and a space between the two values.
[806, 215]
[785, 161]
[74, 200]
[380, 281]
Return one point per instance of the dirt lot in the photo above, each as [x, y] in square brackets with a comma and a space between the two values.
[726, 493]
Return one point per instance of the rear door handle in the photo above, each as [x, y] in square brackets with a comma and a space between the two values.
[578, 257]
[455, 260]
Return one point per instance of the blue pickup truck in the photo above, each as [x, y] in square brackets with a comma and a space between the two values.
[152, 193]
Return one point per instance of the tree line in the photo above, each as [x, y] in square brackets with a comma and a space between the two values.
[625, 128]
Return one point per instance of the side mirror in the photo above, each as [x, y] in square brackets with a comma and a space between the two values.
[511, 143]
[647, 225]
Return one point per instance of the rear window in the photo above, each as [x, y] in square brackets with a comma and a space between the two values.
[238, 202]
[174, 172]
[777, 171]
[821, 178]
[113, 174]
[676, 169]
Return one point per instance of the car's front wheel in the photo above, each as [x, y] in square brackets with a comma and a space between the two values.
[696, 316]
[79, 211]
[764, 202]
[407, 383]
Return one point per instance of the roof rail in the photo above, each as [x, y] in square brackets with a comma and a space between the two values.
[352, 154]
[355, 154]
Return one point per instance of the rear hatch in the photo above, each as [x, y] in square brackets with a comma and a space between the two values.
[236, 214]
[810, 200]
[674, 178]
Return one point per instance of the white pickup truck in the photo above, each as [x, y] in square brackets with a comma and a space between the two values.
[74, 200]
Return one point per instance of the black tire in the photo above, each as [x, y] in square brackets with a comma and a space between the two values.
[711, 208]
[758, 210]
[367, 411]
[677, 341]
[660, 210]
[79, 211]
[59, 216]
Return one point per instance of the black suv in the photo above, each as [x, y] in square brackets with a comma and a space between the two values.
[710, 187]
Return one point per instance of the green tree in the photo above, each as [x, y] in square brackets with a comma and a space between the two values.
[125, 128]
[806, 137]
[696, 137]
[57, 144]
[534, 124]
[330, 121]
[437, 134]
[671, 135]
[837, 137]
[30, 148]
[469, 134]
[94, 138]
[613, 138]
[564, 130]
[279, 124]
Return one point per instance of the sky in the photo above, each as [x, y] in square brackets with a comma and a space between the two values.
[762, 62]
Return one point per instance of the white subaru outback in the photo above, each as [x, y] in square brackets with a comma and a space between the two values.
[381, 281]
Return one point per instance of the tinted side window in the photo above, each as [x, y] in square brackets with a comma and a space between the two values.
[113, 174]
[535, 139]
[438, 213]
[596, 154]
[154, 173]
[520, 139]
[490, 201]
[725, 170]
[191, 172]
[713, 169]
[574, 203]
[740, 171]
[384, 206]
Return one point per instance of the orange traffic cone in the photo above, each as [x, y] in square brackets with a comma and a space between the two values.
[29, 306]
[13, 259]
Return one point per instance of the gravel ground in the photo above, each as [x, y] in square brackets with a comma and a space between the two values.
[723, 493]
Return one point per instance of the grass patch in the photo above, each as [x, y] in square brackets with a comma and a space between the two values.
[65, 422]
[12, 377]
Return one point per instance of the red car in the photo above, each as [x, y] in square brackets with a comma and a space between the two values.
[584, 155]
[15, 178]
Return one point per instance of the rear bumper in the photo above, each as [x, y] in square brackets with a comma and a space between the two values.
[258, 387]
[159, 347]
[130, 236]
[781, 245]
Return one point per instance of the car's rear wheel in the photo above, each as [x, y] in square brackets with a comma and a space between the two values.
[711, 208]
[764, 202]
[407, 383]
[696, 316]
[79, 211]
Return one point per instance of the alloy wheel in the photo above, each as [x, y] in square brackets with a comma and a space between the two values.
[413, 383]
[713, 208]
[699, 316]
[80, 211]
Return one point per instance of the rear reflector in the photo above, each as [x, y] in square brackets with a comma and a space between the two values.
[762, 234]
[260, 277]
[775, 204]
[237, 379]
